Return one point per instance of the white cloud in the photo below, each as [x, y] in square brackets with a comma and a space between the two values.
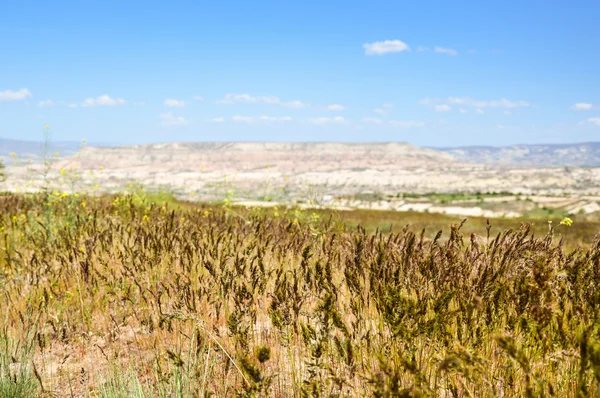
[594, 120]
[472, 51]
[236, 98]
[467, 101]
[462, 110]
[218, 120]
[336, 107]
[373, 120]
[295, 104]
[173, 103]
[443, 108]
[140, 103]
[384, 47]
[326, 120]
[422, 49]
[582, 106]
[198, 98]
[46, 103]
[447, 51]
[245, 119]
[18, 95]
[480, 111]
[507, 112]
[406, 123]
[103, 100]
[388, 106]
[168, 119]
[275, 119]
[379, 111]
[72, 105]
[249, 99]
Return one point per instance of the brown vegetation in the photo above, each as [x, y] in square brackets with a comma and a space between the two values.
[126, 297]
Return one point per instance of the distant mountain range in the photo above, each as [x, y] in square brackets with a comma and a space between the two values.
[34, 150]
[536, 155]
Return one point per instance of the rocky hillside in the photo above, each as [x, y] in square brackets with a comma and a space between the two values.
[249, 156]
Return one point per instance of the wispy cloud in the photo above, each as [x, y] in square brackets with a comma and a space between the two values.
[168, 119]
[421, 49]
[327, 120]
[462, 110]
[336, 107]
[467, 101]
[103, 100]
[406, 123]
[373, 120]
[244, 119]
[218, 120]
[388, 106]
[295, 104]
[9, 95]
[480, 111]
[236, 98]
[198, 98]
[443, 108]
[46, 103]
[385, 47]
[594, 120]
[447, 51]
[379, 111]
[251, 119]
[582, 106]
[275, 119]
[250, 99]
[174, 103]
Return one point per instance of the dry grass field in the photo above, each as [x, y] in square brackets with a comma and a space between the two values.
[135, 296]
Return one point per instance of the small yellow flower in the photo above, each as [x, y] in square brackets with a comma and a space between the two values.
[76, 195]
[13, 154]
[63, 171]
[566, 221]
[46, 127]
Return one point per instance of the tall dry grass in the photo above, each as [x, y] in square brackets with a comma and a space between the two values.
[123, 297]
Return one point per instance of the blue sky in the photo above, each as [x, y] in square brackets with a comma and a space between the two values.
[434, 73]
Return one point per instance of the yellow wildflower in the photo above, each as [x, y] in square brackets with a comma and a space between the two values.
[566, 221]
